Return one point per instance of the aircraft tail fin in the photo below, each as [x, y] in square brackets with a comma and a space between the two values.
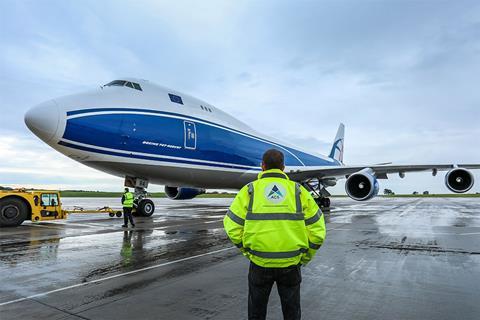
[337, 147]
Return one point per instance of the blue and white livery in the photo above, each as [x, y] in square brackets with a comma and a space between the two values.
[147, 133]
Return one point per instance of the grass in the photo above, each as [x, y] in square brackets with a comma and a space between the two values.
[106, 194]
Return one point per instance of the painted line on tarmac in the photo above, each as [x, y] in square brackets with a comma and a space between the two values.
[139, 227]
[60, 225]
[115, 276]
[56, 225]
[42, 226]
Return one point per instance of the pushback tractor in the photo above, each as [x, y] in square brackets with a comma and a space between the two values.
[16, 206]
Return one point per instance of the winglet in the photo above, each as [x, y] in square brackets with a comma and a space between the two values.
[337, 147]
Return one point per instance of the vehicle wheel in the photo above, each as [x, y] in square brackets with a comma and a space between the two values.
[146, 208]
[118, 214]
[111, 214]
[12, 212]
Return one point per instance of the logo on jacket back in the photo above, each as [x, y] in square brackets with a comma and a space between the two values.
[275, 192]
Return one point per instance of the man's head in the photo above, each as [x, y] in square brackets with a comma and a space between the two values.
[273, 159]
[126, 190]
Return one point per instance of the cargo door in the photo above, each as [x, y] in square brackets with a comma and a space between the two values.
[190, 134]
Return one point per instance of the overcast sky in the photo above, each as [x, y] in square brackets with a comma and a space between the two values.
[402, 75]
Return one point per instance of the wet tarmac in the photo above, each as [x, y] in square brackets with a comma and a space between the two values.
[383, 259]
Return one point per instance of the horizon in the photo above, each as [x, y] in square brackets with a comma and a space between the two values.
[403, 81]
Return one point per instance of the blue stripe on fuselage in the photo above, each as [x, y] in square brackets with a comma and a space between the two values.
[164, 136]
[135, 156]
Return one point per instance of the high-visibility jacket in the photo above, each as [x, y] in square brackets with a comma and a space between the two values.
[128, 200]
[275, 222]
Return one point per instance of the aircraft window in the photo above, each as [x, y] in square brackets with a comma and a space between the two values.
[175, 98]
[209, 110]
[121, 83]
[118, 83]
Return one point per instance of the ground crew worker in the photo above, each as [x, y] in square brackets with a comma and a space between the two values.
[278, 226]
[127, 202]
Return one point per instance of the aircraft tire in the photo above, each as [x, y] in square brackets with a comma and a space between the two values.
[327, 203]
[146, 208]
[12, 212]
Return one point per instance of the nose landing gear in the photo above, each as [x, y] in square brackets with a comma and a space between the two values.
[143, 207]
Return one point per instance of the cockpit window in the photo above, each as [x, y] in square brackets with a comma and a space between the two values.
[118, 83]
[122, 83]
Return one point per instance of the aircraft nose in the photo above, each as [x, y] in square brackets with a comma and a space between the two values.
[43, 120]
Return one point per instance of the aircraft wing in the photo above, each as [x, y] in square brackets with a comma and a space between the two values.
[380, 171]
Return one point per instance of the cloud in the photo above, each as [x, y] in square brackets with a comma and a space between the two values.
[401, 75]
[25, 160]
[49, 60]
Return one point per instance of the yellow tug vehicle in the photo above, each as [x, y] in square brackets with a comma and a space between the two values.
[19, 205]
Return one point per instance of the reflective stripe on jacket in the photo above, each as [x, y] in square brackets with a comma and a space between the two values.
[275, 221]
[128, 200]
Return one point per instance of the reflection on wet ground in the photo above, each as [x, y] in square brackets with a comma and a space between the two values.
[387, 258]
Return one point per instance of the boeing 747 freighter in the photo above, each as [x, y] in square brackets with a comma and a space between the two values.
[146, 133]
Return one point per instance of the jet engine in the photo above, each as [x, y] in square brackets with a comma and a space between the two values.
[362, 185]
[180, 193]
[459, 180]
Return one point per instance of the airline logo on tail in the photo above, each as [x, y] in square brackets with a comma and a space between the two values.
[337, 150]
[337, 147]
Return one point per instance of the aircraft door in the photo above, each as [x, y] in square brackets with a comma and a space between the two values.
[190, 134]
[127, 131]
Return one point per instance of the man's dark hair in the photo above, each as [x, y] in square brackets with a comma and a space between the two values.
[273, 159]
[126, 190]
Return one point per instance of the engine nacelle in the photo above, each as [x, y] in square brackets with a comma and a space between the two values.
[362, 185]
[459, 180]
[179, 193]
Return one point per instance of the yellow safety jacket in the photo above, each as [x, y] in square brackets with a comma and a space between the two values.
[128, 200]
[275, 221]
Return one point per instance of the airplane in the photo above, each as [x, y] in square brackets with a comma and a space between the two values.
[146, 133]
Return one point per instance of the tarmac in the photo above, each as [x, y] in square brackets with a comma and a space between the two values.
[414, 258]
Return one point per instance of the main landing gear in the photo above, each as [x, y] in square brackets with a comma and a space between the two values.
[319, 192]
[323, 202]
[143, 207]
